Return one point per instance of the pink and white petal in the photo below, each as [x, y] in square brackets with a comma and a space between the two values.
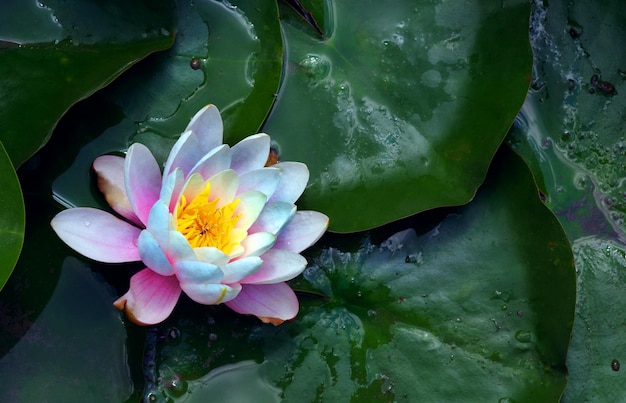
[171, 187]
[273, 217]
[216, 160]
[185, 153]
[264, 180]
[97, 235]
[152, 255]
[257, 244]
[150, 299]
[110, 172]
[304, 229]
[196, 272]
[211, 294]
[208, 126]
[251, 153]
[142, 177]
[250, 205]
[159, 223]
[278, 266]
[240, 268]
[224, 186]
[272, 303]
[294, 178]
[211, 255]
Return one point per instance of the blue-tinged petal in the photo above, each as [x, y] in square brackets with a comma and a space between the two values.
[195, 271]
[250, 205]
[273, 217]
[159, 222]
[211, 294]
[224, 186]
[264, 180]
[216, 160]
[150, 299]
[251, 153]
[152, 255]
[110, 172]
[304, 229]
[278, 266]
[171, 187]
[142, 177]
[258, 243]
[178, 247]
[293, 180]
[207, 125]
[97, 234]
[272, 303]
[241, 268]
[211, 255]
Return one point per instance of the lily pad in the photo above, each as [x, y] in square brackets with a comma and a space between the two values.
[65, 56]
[11, 217]
[479, 302]
[399, 109]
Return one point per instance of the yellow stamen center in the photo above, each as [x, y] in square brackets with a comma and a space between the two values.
[203, 223]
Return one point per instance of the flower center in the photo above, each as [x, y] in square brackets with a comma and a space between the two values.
[205, 224]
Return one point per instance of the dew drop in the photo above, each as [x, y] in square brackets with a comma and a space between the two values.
[87, 223]
[615, 365]
[523, 336]
[212, 336]
[173, 333]
[195, 63]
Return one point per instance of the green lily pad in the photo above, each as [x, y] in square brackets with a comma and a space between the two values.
[597, 348]
[401, 108]
[478, 301]
[65, 55]
[11, 217]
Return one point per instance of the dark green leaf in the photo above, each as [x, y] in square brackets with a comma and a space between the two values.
[480, 304]
[11, 217]
[401, 108]
[80, 48]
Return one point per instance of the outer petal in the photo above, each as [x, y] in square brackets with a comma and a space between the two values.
[197, 272]
[110, 172]
[150, 299]
[273, 217]
[97, 235]
[152, 255]
[295, 176]
[251, 153]
[304, 229]
[272, 303]
[185, 153]
[171, 187]
[211, 294]
[159, 223]
[264, 180]
[208, 126]
[143, 180]
[278, 266]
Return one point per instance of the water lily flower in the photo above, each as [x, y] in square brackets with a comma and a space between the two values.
[216, 223]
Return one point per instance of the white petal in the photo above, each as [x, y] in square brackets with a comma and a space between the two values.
[304, 229]
[194, 271]
[185, 154]
[224, 186]
[211, 294]
[211, 255]
[257, 244]
[208, 126]
[216, 160]
[251, 153]
[294, 178]
[273, 217]
[241, 268]
[278, 265]
[250, 206]
[152, 255]
[264, 180]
